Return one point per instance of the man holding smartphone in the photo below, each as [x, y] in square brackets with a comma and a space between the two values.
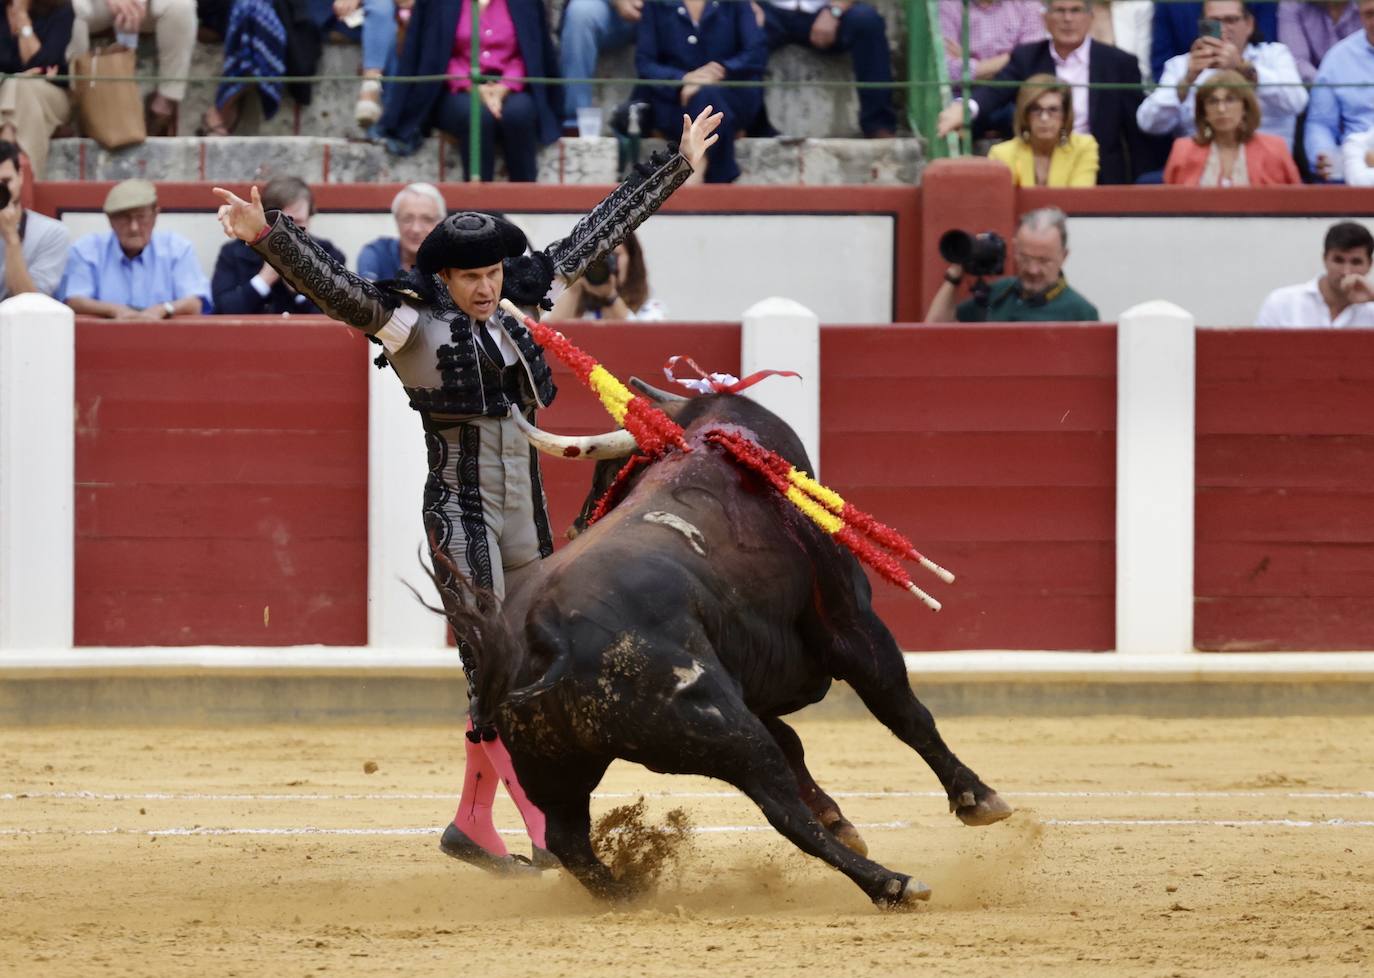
[33, 248]
[1226, 40]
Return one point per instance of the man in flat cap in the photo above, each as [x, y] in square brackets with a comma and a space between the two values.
[468, 367]
[133, 271]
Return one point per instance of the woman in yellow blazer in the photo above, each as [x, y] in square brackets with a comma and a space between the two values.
[1046, 152]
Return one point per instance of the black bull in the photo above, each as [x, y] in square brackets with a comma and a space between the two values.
[676, 631]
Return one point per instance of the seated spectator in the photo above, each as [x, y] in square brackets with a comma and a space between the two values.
[837, 26]
[1126, 24]
[1341, 296]
[1228, 150]
[1046, 152]
[1310, 28]
[1169, 109]
[259, 42]
[1358, 151]
[709, 43]
[1074, 58]
[173, 22]
[1039, 293]
[1336, 113]
[520, 114]
[590, 27]
[620, 290]
[33, 41]
[417, 210]
[994, 28]
[33, 247]
[133, 271]
[371, 23]
[243, 284]
[1174, 29]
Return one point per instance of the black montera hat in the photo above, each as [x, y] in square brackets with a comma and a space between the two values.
[469, 240]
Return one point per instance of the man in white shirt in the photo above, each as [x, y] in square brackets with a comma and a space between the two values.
[1343, 296]
[1169, 109]
[33, 248]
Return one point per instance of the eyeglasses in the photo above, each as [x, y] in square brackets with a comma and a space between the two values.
[1077, 11]
[1223, 101]
[1232, 20]
[1045, 110]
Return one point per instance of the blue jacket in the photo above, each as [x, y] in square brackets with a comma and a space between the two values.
[1175, 29]
[233, 291]
[409, 108]
[728, 34]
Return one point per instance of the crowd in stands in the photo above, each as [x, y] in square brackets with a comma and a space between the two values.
[137, 271]
[1235, 93]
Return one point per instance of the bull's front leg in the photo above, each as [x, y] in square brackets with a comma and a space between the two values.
[825, 808]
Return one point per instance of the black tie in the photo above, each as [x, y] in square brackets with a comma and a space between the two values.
[489, 346]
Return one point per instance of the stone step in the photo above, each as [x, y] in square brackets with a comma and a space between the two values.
[568, 161]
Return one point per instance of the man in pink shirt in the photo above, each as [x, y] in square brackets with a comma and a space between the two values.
[995, 27]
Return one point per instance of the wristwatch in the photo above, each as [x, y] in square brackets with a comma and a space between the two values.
[169, 309]
[954, 278]
[26, 31]
[836, 11]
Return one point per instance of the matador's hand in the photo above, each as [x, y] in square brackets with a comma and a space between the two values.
[240, 218]
[699, 135]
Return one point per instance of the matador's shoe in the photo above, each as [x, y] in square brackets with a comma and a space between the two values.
[456, 843]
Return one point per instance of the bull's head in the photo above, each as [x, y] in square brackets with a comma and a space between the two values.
[609, 449]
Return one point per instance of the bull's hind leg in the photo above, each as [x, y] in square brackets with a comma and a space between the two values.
[714, 734]
[812, 794]
[881, 681]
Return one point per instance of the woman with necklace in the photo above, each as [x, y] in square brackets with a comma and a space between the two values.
[1046, 152]
[1228, 150]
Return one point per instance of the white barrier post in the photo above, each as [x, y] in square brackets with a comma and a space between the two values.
[396, 468]
[37, 472]
[1156, 382]
[780, 334]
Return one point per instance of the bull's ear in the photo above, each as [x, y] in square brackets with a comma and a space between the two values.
[655, 394]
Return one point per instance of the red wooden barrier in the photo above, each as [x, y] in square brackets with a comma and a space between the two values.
[1285, 508]
[221, 483]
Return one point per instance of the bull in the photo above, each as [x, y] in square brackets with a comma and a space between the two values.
[677, 631]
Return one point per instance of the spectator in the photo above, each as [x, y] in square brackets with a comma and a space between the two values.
[838, 26]
[1340, 297]
[1046, 152]
[1075, 59]
[1169, 111]
[1228, 149]
[438, 41]
[1040, 293]
[262, 39]
[417, 210]
[1175, 28]
[700, 43]
[33, 248]
[994, 28]
[590, 27]
[1309, 28]
[132, 271]
[623, 292]
[1358, 151]
[33, 41]
[245, 285]
[1128, 25]
[372, 23]
[1336, 113]
[173, 22]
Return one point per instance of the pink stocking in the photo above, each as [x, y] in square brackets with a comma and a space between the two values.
[499, 758]
[479, 791]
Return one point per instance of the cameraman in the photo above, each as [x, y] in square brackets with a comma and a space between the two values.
[33, 248]
[1039, 294]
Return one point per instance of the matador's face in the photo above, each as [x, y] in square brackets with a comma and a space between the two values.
[476, 291]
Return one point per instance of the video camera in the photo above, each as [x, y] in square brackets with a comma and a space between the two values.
[600, 271]
[977, 254]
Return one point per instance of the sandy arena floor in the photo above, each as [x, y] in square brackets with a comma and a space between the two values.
[1141, 847]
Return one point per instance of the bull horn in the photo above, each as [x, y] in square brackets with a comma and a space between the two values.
[617, 443]
[655, 394]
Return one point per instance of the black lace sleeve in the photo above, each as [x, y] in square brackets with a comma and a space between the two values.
[316, 274]
[627, 207]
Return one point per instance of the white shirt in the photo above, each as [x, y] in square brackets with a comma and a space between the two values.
[1281, 94]
[1303, 305]
[805, 6]
[1133, 28]
[1358, 173]
[397, 331]
[1073, 70]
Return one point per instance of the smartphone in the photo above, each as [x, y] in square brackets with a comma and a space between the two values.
[1209, 27]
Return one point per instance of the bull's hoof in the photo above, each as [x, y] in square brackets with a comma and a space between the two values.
[902, 893]
[843, 830]
[543, 859]
[991, 809]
